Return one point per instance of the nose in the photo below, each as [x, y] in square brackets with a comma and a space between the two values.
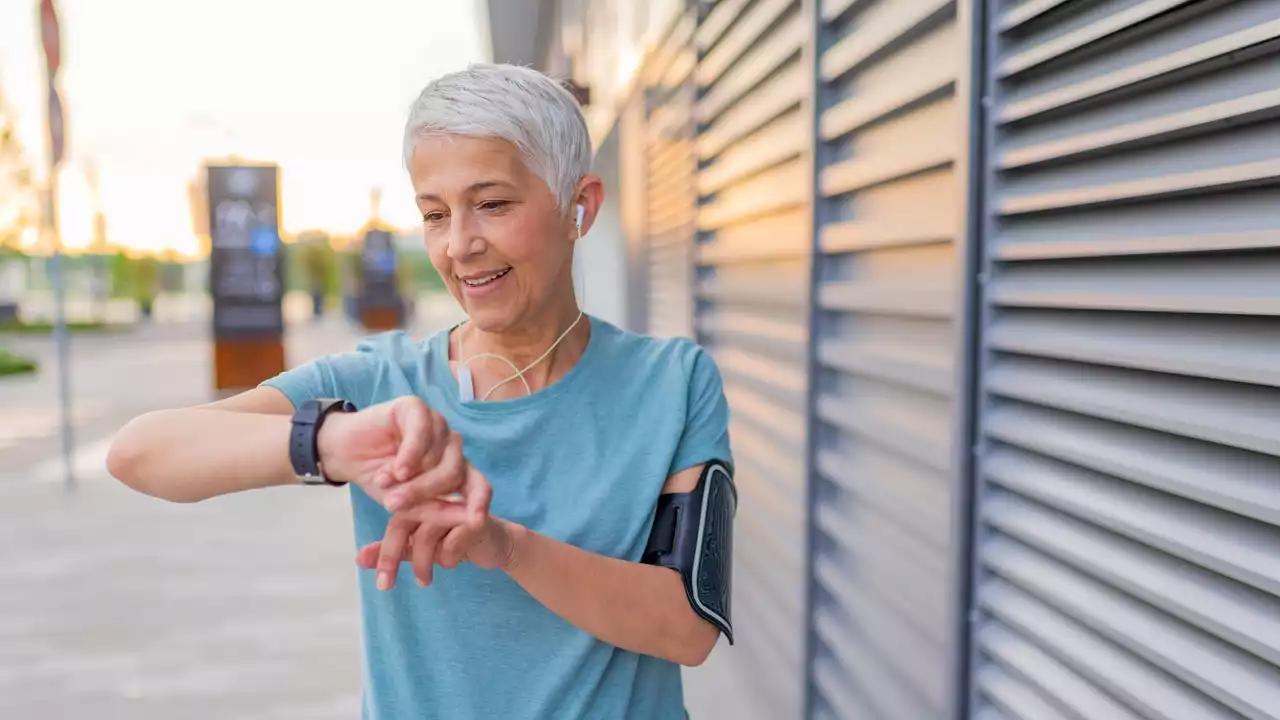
[463, 242]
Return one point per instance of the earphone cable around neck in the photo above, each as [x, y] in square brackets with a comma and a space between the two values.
[519, 372]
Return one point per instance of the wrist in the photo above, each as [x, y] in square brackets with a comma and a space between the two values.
[518, 540]
[327, 439]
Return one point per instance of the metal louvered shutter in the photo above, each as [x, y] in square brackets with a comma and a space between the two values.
[891, 210]
[671, 197]
[1128, 541]
[752, 310]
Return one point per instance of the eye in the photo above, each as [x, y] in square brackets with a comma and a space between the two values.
[494, 204]
[434, 216]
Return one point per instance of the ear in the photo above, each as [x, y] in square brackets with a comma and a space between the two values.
[589, 196]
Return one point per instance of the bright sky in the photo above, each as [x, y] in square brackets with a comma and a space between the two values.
[151, 87]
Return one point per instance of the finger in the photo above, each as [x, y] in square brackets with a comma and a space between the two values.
[393, 546]
[445, 513]
[413, 420]
[367, 556]
[421, 552]
[441, 480]
[455, 545]
[426, 544]
[478, 493]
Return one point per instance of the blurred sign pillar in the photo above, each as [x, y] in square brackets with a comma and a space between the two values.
[380, 305]
[246, 274]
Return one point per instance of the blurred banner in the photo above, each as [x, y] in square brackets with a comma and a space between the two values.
[246, 273]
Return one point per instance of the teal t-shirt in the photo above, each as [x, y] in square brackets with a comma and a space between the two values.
[581, 461]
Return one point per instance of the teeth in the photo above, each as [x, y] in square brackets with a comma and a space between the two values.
[486, 280]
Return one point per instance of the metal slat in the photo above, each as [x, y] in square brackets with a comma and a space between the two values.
[901, 490]
[764, 58]
[1141, 73]
[898, 434]
[774, 97]
[878, 31]
[894, 569]
[858, 174]
[1231, 677]
[771, 192]
[1015, 697]
[1215, 180]
[885, 691]
[781, 140]
[1247, 484]
[1025, 12]
[909, 145]
[1235, 415]
[1078, 38]
[746, 31]
[719, 20]
[1174, 344]
[1050, 677]
[1234, 285]
[886, 635]
[921, 73]
[1092, 246]
[923, 301]
[1203, 119]
[780, 237]
[1249, 620]
[892, 542]
[836, 692]
[918, 371]
[1123, 675]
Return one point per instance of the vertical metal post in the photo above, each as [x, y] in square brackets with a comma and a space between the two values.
[973, 93]
[55, 133]
[814, 102]
[60, 334]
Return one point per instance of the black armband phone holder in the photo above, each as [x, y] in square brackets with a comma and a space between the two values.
[693, 534]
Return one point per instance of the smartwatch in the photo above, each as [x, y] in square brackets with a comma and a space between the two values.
[304, 450]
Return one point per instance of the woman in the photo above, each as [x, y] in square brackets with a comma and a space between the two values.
[516, 462]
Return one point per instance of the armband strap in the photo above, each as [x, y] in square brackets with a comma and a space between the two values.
[693, 534]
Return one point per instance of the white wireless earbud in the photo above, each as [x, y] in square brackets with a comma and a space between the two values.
[582, 213]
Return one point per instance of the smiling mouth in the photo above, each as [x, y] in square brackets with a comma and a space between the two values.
[484, 280]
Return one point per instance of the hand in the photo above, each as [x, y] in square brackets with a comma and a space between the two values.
[440, 532]
[400, 452]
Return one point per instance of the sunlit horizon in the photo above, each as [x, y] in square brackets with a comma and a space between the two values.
[153, 88]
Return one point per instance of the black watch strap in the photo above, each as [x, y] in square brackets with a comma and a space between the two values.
[304, 451]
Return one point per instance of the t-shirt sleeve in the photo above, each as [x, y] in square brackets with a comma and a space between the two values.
[332, 376]
[706, 429]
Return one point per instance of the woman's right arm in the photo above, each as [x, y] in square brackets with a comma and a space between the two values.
[191, 454]
[196, 453]
[242, 443]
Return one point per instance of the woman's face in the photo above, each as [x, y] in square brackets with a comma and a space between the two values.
[492, 228]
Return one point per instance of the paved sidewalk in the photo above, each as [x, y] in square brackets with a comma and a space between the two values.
[115, 605]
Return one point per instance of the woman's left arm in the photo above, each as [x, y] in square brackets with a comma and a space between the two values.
[637, 607]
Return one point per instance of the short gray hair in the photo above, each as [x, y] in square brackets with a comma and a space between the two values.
[533, 112]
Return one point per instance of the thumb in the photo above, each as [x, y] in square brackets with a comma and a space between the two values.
[412, 420]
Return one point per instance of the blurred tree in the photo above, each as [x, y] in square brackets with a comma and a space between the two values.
[146, 278]
[19, 200]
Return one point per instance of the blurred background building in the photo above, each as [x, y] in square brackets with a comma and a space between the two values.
[993, 289]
